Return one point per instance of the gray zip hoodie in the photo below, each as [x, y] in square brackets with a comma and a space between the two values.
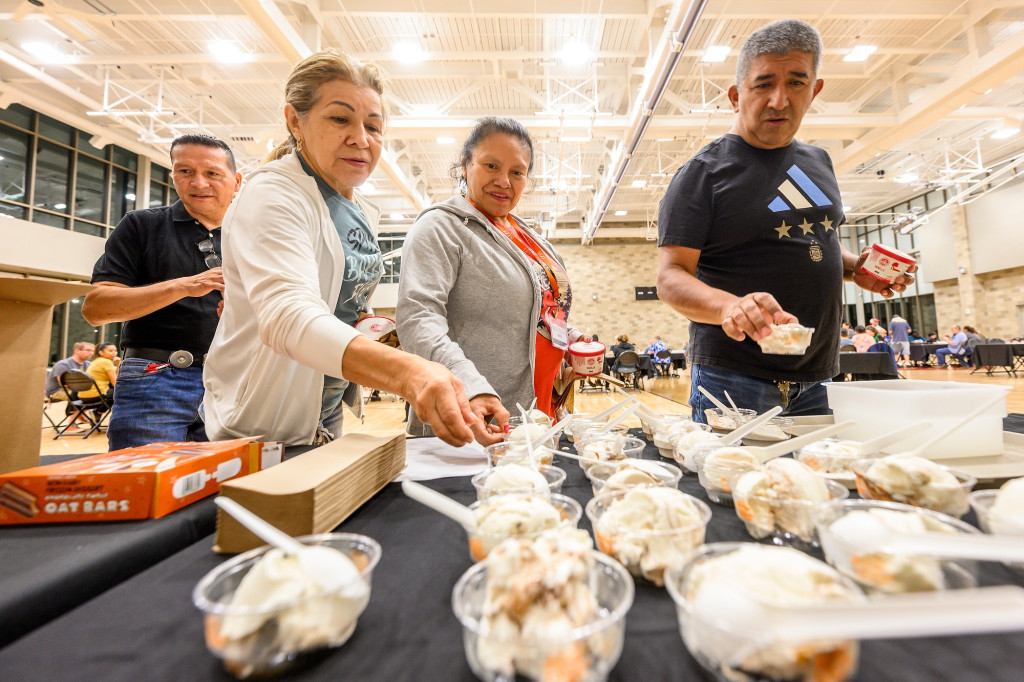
[469, 299]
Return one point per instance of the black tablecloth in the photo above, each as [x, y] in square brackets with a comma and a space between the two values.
[867, 366]
[52, 568]
[678, 360]
[991, 356]
[147, 629]
[919, 352]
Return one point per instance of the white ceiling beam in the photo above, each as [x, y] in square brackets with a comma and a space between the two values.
[276, 27]
[969, 80]
[389, 165]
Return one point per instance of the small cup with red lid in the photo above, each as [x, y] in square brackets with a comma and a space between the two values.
[886, 263]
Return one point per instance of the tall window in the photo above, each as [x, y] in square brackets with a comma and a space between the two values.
[51, 174]
[390, 241]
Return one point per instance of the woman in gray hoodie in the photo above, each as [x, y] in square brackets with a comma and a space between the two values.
[480, 292]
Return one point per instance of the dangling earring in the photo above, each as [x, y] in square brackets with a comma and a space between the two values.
[298, 144]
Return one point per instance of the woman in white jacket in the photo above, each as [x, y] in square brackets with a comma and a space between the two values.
[300, 261]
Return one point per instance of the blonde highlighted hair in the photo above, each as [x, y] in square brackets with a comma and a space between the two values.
[302, 89]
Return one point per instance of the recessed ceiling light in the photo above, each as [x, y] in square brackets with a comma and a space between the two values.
[228, 52]
[446, 140]
[715, 53]
[575, 53]
[906, 178]
[368, 188]
[621, 212]
[639, 184]
[860, 53]
[847, 209]
[397, 216]
[60, 207]
[408, 52]
[1004, 133]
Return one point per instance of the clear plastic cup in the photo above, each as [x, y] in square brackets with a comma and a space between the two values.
[514, 453]
[481, 541]
[607, 447]
[589, 651]
[952, 501]
[729, 420]
[786, 522]
[554, 477]
[981, 502]
[282, 634]
[603, 476]
[749, 653]
[894, 573]
[718, 479]
[646, 553]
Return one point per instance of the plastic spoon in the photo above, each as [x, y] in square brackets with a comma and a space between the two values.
[526, 415]
[878, 442]
[735, 435]
[440, 503]
[557, 428]
[946, 432]
[718, 403]
[873, 535]
[732, 403]
[329, 567]
[768, 452]
[601, 416]
[643, 408]
[951, 612]
[618, 420]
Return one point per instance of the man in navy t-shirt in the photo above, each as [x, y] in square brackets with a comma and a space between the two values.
[749, 236]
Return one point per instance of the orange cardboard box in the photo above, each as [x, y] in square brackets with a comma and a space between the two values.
[135, 483]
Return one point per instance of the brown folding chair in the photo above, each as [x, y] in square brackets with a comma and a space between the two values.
[74, 382]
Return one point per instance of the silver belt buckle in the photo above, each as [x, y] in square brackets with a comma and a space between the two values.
[181, 359]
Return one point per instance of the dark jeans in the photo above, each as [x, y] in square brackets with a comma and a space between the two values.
[154, 407]
[753, 393]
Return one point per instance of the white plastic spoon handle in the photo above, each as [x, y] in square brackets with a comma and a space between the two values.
[965, 612]
[439, 503]
[643, 408]
[732, 403]
[260, 528]
[618, 420]
[943, 433]
[735, 435]
[557, 428]
[524, 414]
[581, 458]
[958, 546]
[787, 446]
[718, 403]
[878, 442]
[604, 414]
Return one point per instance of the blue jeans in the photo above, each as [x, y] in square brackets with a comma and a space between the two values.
[943, 352]
[753, 393]
[153, 407]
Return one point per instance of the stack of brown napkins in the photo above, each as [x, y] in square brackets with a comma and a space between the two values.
[312, 492]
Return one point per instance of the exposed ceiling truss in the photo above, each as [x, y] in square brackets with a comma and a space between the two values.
[918, 114]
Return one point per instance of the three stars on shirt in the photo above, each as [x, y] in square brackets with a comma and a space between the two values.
[806, 226]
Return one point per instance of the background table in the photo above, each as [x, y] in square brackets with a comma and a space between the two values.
[919, 352]
[993, 357]
[867, 366]
[147, 629]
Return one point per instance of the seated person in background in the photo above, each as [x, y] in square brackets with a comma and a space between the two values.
[844, 338]
[876, 328]
[657, 345]
[622, 345]
[957, 346]
[104, 370]
[862, 340]
[974, 337]
[79, 360]
[915, 336]
[933, 337]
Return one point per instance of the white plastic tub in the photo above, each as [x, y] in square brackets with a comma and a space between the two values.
[882, 406]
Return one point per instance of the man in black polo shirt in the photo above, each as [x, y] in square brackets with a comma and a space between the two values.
[748, 235]
[160, 274]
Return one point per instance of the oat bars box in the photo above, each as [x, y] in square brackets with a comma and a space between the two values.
[135, 483]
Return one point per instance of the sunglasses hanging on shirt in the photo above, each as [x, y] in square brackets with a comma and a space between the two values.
[210, 254]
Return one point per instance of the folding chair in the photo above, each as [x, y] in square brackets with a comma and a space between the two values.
[75, 381]
[48, 402]
[664, 368]
[627, 369]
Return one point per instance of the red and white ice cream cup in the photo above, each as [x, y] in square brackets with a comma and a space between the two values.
[886, 263]
[587, 357]
[375, 326]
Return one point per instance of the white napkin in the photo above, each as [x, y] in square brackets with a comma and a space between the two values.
[430, 458]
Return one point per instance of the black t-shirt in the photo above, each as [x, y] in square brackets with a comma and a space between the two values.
[763, 220]
[154, 245]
